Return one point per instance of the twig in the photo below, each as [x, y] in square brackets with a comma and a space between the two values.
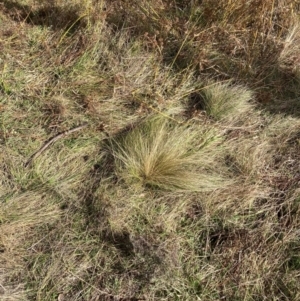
[51, 141]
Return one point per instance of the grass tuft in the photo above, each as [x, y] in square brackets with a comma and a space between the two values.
[160, 153]
[224, 101]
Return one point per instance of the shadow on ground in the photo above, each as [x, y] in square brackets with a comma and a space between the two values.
[282, 97]
[48, 14]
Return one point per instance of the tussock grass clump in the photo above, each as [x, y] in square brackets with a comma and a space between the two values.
[160, 153]
[226, 101]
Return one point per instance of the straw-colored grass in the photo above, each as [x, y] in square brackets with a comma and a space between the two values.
[161, 153]
[184, 182]
[226, 101]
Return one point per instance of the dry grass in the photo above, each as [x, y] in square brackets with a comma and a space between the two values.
[162, 153]
[223, 101]
[185, 183]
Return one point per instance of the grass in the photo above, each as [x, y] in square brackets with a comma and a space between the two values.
[222, 101]
[160, 153]
[184, 185]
